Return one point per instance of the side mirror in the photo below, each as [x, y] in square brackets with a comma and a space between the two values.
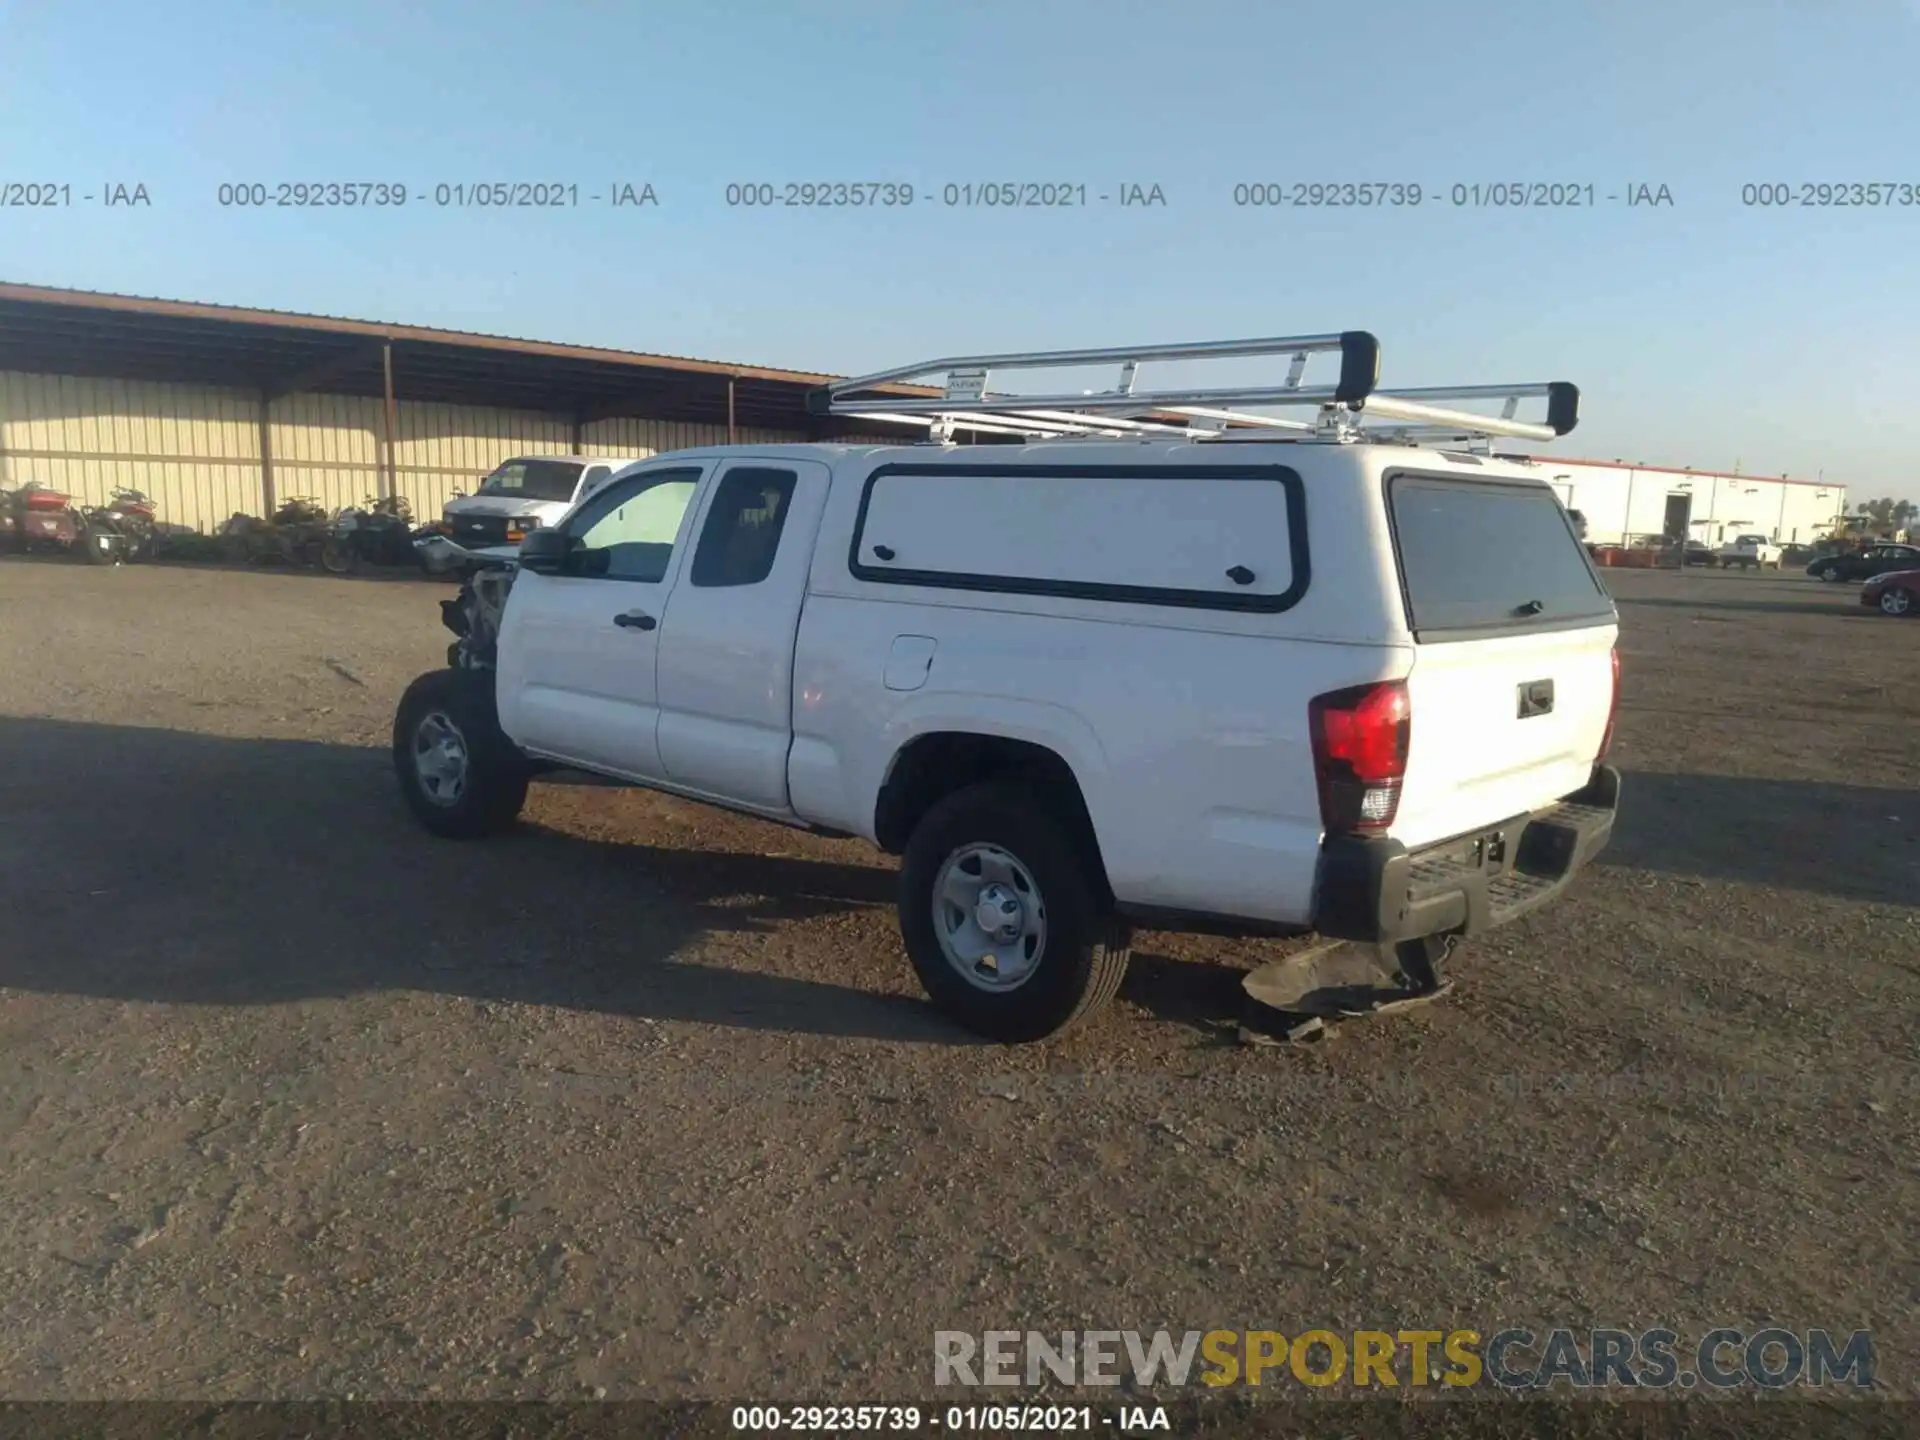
[545, 552]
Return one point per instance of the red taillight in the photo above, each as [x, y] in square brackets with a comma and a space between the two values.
[1613, 709]
[1360, 740]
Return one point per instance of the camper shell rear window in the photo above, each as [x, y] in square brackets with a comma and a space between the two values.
[1482, 557]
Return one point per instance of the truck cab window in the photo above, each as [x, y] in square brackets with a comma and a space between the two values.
[626, 532]
[742, 533]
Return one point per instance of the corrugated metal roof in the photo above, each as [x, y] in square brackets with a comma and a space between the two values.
[47, 330]
[348, 325]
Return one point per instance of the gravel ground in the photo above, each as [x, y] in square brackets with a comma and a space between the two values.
[644, 1100]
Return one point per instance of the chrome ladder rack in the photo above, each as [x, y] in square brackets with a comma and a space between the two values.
[965, 402]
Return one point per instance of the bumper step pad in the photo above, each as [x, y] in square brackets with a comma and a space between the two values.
[1294, 999]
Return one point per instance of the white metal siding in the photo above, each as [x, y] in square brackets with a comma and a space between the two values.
[325, 448]
[1619, 502]
[196, 449]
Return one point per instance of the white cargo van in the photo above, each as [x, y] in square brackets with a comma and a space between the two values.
[1155, 661]
[522, 495]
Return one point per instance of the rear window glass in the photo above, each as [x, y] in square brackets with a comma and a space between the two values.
[1482, 556]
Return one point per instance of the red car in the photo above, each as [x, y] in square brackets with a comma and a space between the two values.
[1895, 593]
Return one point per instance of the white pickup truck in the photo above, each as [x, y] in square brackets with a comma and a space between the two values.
[1238, 681]
[1749, 552]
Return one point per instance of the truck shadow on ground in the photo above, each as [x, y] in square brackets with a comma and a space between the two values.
[162, 866]
[1849, 842]
[155, 865]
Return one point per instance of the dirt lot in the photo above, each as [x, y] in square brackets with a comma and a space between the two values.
[295, 1101]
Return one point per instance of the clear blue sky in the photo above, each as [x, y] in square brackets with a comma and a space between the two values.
[1703, 333]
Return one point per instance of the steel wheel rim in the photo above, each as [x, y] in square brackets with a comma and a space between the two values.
[1896, 602]
[977, 884]
[440, 759]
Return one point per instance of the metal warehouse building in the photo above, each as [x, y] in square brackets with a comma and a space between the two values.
[1621, 501]
[213, 410]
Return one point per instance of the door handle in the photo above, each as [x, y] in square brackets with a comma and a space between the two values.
[635, 620]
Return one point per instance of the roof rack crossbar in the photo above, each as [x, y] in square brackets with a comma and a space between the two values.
[966, 401]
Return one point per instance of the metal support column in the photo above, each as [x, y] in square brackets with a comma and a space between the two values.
[577, 437]
[269, 503]
[392, 478]
[732, 434]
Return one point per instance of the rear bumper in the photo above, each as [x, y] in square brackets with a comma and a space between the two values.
[1379, 891]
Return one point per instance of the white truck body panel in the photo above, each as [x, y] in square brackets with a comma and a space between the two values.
[1076, 596]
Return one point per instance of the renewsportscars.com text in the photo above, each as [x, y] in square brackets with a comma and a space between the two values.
[1510, 1359]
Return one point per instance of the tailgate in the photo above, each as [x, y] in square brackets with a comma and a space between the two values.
[1502, 727]
[1512, 679]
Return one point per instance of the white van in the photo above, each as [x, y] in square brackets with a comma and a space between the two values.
[524, 494]
[1268, 680]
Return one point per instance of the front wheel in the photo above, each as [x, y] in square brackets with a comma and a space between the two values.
[461, 776]
[337, 555]
[1001, 911]
[1896, 601]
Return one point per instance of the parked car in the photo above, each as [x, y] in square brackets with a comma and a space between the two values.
[1077, 684]
[522, 495]
[1866, 563]
[1749, 552]
[1698, 552]
[1895, 593]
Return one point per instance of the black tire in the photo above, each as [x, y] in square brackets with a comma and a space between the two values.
[494, 784]
[1827, 574]
[1898, 600]
[338, 556]
[1086, 949]
[98, 554]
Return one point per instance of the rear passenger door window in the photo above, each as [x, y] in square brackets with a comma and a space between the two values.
[742, 531]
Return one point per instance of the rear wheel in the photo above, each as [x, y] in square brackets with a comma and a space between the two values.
[337, 555]
[461, 776]
[1895, 600]
[1828, 573]
[1002, 914]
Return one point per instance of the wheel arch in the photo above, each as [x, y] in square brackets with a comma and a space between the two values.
[943, 754]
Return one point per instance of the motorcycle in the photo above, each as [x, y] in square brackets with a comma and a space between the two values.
[294, 536]
[380, 532]
[102, 541]
[129, 515]
[43, 518]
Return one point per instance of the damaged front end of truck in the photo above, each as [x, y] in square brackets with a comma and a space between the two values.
[474, 614]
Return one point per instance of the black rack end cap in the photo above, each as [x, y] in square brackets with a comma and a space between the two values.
[820, 400]
[1359, 367]
[1563, 406]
